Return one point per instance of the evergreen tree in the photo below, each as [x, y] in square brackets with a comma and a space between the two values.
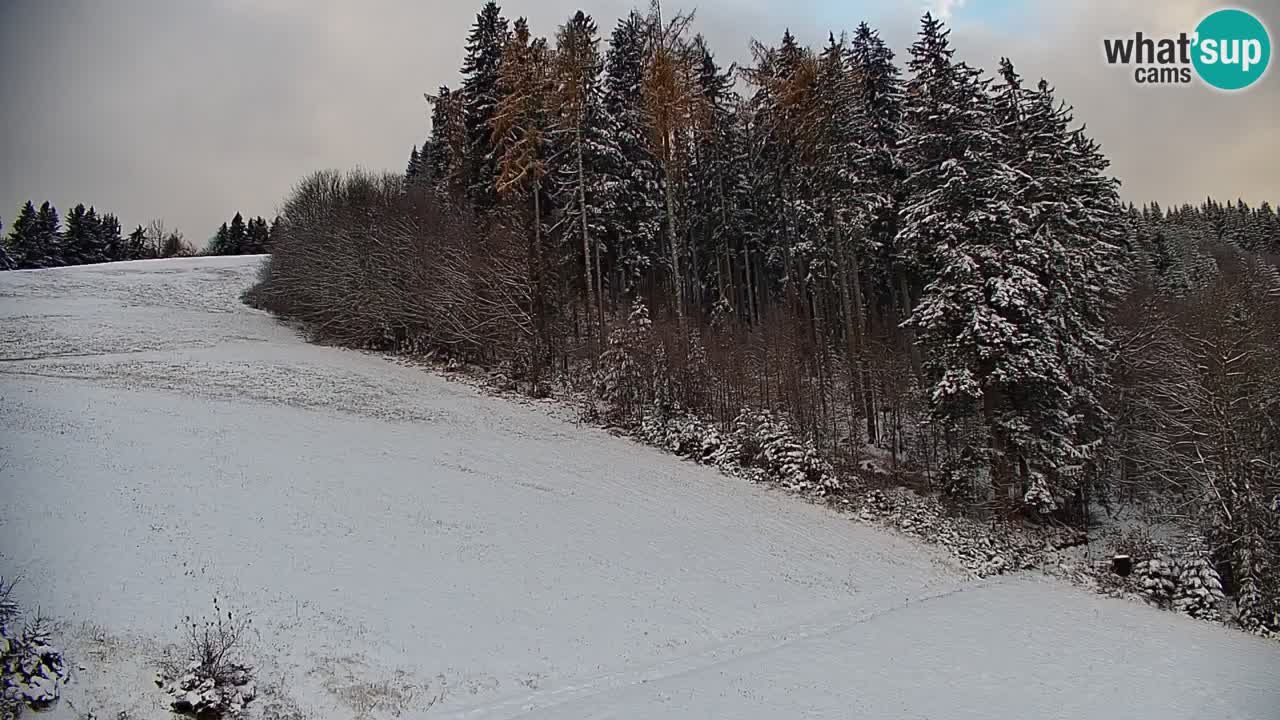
[237, 236]
[109, 238]
[6, 263]
[23, 243]
[48, 239]
[441, 159]
[718, 201]
[585, 149]
[978, 319]
[413, 170]
[673, 107]
[257, 237]
[221, 242]
[480, 69]
[634, 214]
[95, 249]
[77, 238]
[136, 247]
[878, 188]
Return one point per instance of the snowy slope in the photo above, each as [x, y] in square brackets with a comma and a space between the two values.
[409, 547]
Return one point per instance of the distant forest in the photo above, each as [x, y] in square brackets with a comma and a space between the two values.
[40, 239]
[915, 262]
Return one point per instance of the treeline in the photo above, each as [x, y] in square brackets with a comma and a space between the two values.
[930, 268]
[40, 239]
[241, 237]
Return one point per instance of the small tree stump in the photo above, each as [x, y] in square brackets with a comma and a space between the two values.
[1122, 565]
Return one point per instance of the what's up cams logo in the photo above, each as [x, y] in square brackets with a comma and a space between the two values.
[1229, 50]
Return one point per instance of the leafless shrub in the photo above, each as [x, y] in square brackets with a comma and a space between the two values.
[215, 681]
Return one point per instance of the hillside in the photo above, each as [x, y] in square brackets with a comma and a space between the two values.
[407, 546]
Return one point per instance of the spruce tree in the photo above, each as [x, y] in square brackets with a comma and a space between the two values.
[257, 237]
[6, 262]
[717, 183]
[237, 236]
[220, 244]
[136, 247]
[441, 159]
[48, 238]
[585, 147]
[480, 69]
[634, 216]
[95, 249]
[25, 250]
[978, 320]
[413, 169]
[77, 238]
[109, 238]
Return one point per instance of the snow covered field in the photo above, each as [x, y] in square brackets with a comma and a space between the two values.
[408, 547]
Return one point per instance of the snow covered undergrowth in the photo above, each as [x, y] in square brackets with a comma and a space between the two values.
[409, 547]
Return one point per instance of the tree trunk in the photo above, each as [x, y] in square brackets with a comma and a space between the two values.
[587, 281]
[676, 277]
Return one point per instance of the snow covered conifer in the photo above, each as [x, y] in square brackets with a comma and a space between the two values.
[585, 147]
[219, 245]
[441, 161]
[77, 238]
[237, 235]
[634, 213]
[6, 263]
[1199, 592]
[48, 238]
[480, 94]
[23, 240]
[978, 319]
[110, 241]
[412, 170]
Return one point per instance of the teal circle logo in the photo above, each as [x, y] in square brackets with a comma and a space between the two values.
[1232, 49]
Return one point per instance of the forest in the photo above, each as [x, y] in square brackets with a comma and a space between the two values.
[913, 266]
[39, 239]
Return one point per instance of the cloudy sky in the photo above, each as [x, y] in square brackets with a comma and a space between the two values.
[193, 109]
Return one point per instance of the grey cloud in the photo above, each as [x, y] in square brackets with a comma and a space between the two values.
[193, 110]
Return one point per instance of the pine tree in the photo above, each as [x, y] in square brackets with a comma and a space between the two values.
[48, 238]
[412, 171]
[585, 148]
[978, 319]
[109, 238]
[136, 245]
[23, 241]
[480, 70]
[257, 236]
[78, 241]
[220, 244]
[674, 108]
[717, 201]
[6, 262]
[634, 215]
[441, 160]
[95, 250]
[1199, 592]
[237, 236]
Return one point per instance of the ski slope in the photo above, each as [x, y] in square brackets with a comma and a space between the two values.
[409, 547]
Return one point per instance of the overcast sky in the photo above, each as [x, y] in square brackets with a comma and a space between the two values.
[193, 109]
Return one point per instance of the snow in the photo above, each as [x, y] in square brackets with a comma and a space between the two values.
[409, 547]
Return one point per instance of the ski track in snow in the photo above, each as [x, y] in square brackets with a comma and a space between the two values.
[409, 547]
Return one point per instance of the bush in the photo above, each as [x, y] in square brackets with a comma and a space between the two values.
[215, 681]
[32, 670]
[365, 264]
